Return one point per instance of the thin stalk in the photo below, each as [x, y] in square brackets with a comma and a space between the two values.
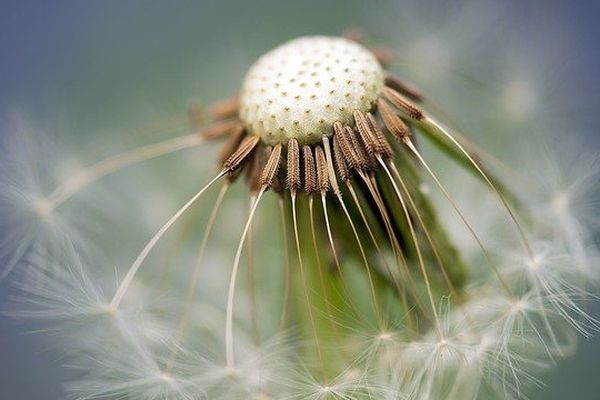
[115, 163]
[122, 289]
[193, 284]
[229, 350]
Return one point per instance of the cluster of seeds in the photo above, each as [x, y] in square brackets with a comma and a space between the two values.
[320, 116]
[326, 101]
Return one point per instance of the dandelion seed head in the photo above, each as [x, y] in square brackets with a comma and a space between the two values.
[27, 218]
[392, 297]
[299, 89]
[566, 201]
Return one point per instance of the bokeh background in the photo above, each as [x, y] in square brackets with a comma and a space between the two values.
[89, 70]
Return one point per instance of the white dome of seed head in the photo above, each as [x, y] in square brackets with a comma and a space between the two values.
[299, 89]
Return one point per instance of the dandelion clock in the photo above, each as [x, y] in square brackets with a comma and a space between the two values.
[357, 221]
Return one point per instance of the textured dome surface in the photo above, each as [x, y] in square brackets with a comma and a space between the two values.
[299, 89]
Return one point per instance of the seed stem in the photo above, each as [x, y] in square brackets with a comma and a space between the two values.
[185, 316]
[288, 268]
[67, 189]
[250, 277]
[505, 204]
[417, 248]
[305, 288]
[338, 194]
[462, 217]
[229, 350]
[122, 289]
[387, 267]
[414, 207]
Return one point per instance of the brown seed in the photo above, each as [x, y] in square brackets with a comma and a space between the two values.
[403, 87]
[322, 175]
[348, 153]
[242, 152]
[272, 166]
[338, 127]
[340, 163]
[293, 166]
[403, 105]
[382, 146]
[310, 173]
[365, 132]
[366, 161]
[392, 122]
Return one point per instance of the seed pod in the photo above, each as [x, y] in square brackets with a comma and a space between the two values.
[392, 122]
[310, 172]
[242, 152]
[340, 163]
[383, 147]
[366, 161]
[322, 174]
[271, 167]
[293, 166]
[403, 105]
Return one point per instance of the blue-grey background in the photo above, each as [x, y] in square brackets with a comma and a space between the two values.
[68, 58]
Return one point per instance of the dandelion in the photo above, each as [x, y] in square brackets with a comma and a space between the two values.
[372, 297]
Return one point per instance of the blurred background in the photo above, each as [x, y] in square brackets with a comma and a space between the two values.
[95, 72]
